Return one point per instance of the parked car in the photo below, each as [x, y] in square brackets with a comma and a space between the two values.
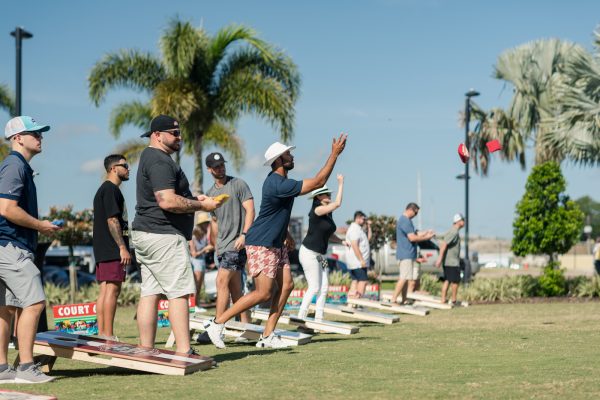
[59, 276]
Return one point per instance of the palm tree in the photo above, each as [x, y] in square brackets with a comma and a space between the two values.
[535, 70]
[7, 103]
[206, 82]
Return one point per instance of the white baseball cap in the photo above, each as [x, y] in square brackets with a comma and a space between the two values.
[274, 151]
[23, 124]
[458, 217]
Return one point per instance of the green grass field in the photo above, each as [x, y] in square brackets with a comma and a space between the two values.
[542, 351]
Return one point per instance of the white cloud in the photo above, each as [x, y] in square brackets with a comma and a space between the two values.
[93, 167]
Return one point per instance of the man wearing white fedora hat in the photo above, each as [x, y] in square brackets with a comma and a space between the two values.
[268, 240]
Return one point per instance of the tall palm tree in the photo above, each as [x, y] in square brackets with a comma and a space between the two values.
[534, 69]
[206, 82]
[7, 103]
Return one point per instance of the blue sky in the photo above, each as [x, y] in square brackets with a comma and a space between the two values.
[391, 73]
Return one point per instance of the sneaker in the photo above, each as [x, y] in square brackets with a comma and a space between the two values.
[200, 310]
[32, 374]
[203, 338]
[192, 352]
[272, 341]
[214, 332]
[241, 339]
[8, 375]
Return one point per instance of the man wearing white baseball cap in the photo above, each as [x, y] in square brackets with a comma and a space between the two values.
[20, 281]
[268, 241]
[450, 257]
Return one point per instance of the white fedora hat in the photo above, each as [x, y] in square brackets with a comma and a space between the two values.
[274, 151]
[316, 192]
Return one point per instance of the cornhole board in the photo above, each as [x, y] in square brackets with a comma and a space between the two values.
[240, 329]
[396, 308]
[349, 312]
[309, 323]
[117, 354]
[12, 395]
[432, 299]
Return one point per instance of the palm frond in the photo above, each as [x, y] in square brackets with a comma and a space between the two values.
[7, 100]
[230, 34]
[4, 150]
[224, 135]
[179, 46]
[131, 150]
[131, 113]
[178, 98]
[126, 68]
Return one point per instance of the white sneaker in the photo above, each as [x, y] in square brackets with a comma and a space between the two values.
[272, 341]
[215, 331]
[200, 309]
[241, 339]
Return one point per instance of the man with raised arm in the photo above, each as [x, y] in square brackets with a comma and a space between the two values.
[268, 240]
[162, 227]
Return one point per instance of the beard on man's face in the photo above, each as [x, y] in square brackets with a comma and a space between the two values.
[288, 165]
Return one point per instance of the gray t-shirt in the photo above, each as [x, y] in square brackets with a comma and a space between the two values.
[157, 171]
[452, 239]
[230, 216]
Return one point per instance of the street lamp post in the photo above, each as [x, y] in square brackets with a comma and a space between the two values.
[19, 34]
[468, 95]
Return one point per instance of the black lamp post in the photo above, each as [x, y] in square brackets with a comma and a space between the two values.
[19, 34]
[468, 95]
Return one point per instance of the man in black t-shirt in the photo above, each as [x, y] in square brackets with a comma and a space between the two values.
[161, 230]
[111, 241]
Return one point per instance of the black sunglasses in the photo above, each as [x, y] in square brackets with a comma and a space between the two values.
[35, 134]
[175, 132]
[126, 166]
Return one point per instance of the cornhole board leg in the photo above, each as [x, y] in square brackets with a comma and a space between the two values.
[396, 308]
[309, 323]
[117, 354]
[350, 312]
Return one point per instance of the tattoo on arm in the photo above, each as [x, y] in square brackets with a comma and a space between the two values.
[115, 231]
[176, 204]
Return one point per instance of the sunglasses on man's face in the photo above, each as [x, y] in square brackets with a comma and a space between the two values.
[124, 165]
[175, 132]
[37, 135]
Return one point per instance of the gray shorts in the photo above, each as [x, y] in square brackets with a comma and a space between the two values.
[20, 280]
[165, 264]
[232, 260]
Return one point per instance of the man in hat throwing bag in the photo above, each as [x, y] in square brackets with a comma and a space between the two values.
[268, 240]
[229, 226]
[161, 230]
[20, 281]
[450, 257]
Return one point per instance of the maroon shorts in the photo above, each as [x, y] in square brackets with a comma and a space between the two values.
[110, 271]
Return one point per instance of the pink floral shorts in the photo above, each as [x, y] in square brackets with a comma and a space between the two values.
[266, 260]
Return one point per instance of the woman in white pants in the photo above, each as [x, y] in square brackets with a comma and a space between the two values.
[321, 230]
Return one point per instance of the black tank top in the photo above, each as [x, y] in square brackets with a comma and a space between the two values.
[320, 230]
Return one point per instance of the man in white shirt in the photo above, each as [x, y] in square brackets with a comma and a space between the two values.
[359, 253]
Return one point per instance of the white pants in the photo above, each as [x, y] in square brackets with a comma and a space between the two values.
[318, 282]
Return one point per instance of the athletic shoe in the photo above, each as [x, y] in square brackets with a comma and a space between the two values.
[214, 332]
[272, 341]
[203, 338]
[241, 339]
[32, 374]
[8, 375]
[200, 309]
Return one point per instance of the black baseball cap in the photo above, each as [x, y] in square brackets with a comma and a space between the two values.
[161, 123]
[214, 160]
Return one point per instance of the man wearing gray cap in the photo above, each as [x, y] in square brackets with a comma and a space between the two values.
[268, 241]
[450, 257]
[20, 281]
[161, 230]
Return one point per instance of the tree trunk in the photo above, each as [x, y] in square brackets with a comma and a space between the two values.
[198, 162]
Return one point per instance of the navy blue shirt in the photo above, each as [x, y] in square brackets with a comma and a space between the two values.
[405, 249]
[270, 227]
[16, 183]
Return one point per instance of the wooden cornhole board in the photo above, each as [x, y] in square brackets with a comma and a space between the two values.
[428, 300]
[396, 308]
[309, 323]
[241, 329]
[12, 395]
[116, 354]
[349, 312]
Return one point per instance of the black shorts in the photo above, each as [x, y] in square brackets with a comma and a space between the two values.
[452, 274]
[232, 260]
[359, 274]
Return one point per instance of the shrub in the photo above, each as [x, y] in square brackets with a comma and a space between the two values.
[588, 287]
[431, 283]
[55, 295]
[500, 289]
[552, 282]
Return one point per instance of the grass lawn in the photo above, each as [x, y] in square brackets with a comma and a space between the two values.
[541, 351]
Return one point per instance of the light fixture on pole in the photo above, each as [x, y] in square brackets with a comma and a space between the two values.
[466, 177]
[19, 34]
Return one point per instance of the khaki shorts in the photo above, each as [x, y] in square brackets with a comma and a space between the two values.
[20, 280]
[410, 270]
[165, 264]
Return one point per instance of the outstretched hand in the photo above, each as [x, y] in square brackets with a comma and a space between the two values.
[339, 144]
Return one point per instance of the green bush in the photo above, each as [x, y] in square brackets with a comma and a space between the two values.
[552, 282]
[587, 287]
[55, 295]
[430, 283]
[506, 289]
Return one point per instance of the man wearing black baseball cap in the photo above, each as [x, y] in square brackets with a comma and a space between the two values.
[162, 227]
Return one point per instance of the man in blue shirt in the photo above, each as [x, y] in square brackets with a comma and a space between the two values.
[406, 251]
[20, 281]
[268, 241]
